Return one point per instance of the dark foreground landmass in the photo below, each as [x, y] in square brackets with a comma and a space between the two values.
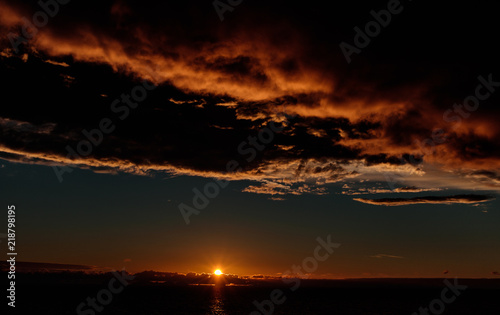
[69, 292]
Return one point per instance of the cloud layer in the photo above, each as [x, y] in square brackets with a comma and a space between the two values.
[220, 85]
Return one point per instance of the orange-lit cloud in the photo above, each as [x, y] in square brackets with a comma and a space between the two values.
[225, 84]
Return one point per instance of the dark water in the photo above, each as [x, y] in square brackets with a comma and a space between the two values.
[158, 299]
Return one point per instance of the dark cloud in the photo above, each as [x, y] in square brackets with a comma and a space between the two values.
[221, 82]
[464, 199]
[364, 191]
[386, 256]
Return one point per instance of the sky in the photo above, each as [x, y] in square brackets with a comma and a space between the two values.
[194, 136]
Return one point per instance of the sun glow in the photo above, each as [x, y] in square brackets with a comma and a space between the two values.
[217, 272]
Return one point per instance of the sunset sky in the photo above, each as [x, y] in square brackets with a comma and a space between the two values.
[115, 113]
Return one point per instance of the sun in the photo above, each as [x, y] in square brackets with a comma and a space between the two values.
[217, 272]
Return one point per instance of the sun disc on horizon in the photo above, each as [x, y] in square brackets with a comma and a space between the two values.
[217, 272]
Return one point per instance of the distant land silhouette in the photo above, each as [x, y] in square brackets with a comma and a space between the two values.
[48, 288]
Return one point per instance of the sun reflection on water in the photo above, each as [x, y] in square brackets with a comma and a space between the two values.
[217, 303]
